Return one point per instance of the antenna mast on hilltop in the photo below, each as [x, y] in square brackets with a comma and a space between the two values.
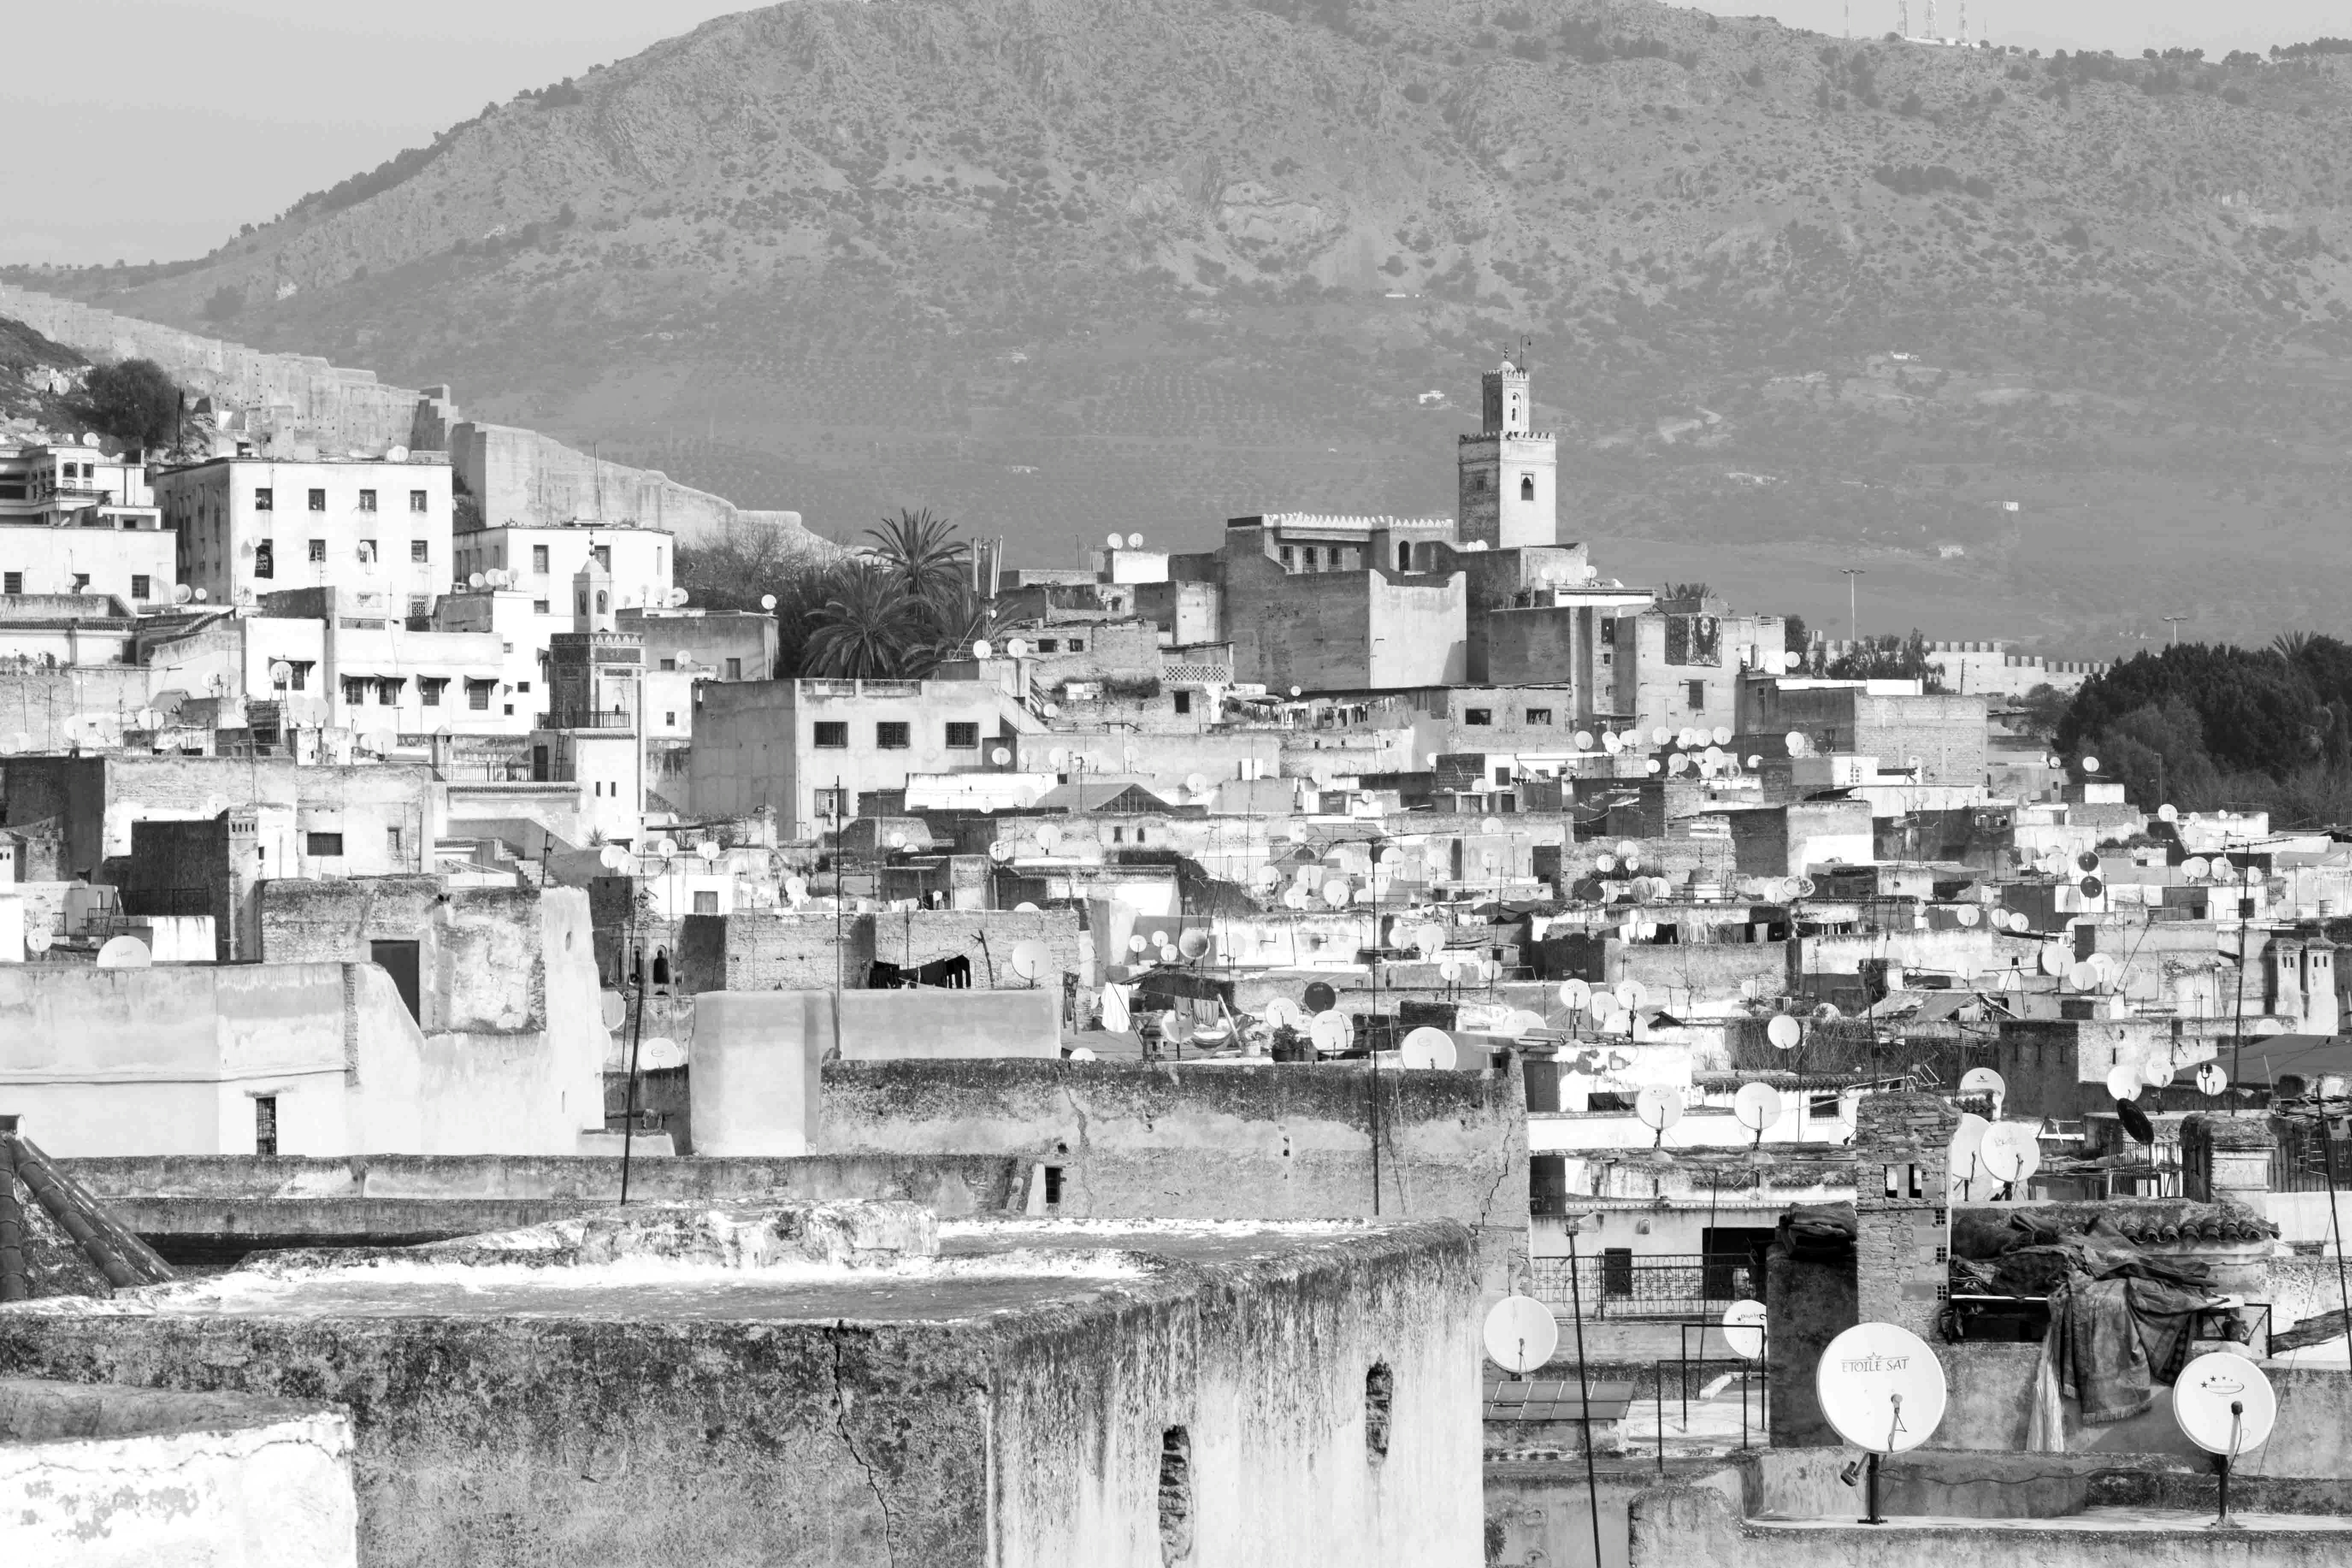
[1903, 17]
[1931, 19]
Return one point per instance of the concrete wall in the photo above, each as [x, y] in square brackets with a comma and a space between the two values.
[911, 937]
[523, 477]
[97, 1478]
[1946, 733]
[1346, 631]
[1214, 1142]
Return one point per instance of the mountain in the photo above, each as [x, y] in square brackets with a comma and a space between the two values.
[2047, 348]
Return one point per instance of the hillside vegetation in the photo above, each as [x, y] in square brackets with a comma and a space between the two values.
[2049, 346]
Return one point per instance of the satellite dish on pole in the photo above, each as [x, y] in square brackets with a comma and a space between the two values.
[1883, 1390]
[1658, 1107]
[1758, 1107]
[1029, 959]
[2011, 1152]
[2212, 1079]
[1784, 1031]
[1743, 1328]
[2123, 1081]
[1521, 1334]
[1331, 1033]
[1427, 1047]
[1575, 994]
[2224, 1404]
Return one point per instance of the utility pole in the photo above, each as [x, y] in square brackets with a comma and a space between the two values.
[1853, 615]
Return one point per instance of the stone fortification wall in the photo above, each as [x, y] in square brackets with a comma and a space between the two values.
[523, 477]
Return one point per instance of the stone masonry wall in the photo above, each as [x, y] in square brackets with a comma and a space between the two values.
[1901, 1145]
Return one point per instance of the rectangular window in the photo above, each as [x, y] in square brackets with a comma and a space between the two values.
[416, 501]
[12, 582]
[387, 692]
[832, 804]
[318, 500]
[367, 552]
[301, 668]
[323, 846]
[540, 608]
[419, 549]
[1478, 715]
[1048, 645]
[669, 664]
[367, 501]
[1183, 702]
[891, 735]
[1822, 1107]
[318, 550]
[1607, 631]
[706, 903]
[354, 689]
[603, 554]
[734, 669]
[265, 499]
[1539, 715]
[265, 558]
[265, 1125]
[832, 735]
[429, 688]
[420, 606]
[1078, 645]
[477, 695]
[963, 737]
[1288, 556]
[392, 843]
[539, 559]
[142, 586]
[1698, 694]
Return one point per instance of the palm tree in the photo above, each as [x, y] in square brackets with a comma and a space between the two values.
[952, 620]
[865, 631]
[922, 553]
[2293, 648]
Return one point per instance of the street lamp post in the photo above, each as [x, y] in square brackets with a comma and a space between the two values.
[1853, 618]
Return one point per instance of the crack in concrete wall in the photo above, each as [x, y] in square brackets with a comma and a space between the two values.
[841, 1421]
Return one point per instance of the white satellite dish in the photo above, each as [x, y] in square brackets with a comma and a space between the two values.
[665, 848]
[1604, 863]
[179, 594]
[1983, 1080]
[1001, 755]
[124, 952]
[2224, 1404]
[1336, 893]
[1000, 852]
[1758, 1107]
[1521, 1334]
[1575, 994]
[475, 580]
[708, 847]
[1014, 647]
[2050, 960]
[1192, 944]
[1963, 1157]
[2196, 867]
[1631, 995]
[202, 594]
[2090, 764]
[1281, 1013]
[1135, 542]
[1659, 1107]
[612, 857]
[2084, 976]
[1137, 943]
[1428, 1048]
[1881, 1387]
[2167, 813]
[767, 601]
[1082, 1054]
[2212, 1079]
[1029, 959]
[1795, 742]
[2019, 921]
[1969, 914]
[1660, 735]
[1722, 734]
[1048, 836]
[1743, 1325]
[1612, 742]
[1331, 1033]
[1112, 540]
[612, 1009]
[2012, 1151]
[1024, 908]
[2123, 1081]
[395, 454]
[2157, 1073]
[1784, 1031]
[1584, 740]
[980, 648]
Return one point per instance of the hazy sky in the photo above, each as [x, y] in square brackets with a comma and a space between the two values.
[148, 130]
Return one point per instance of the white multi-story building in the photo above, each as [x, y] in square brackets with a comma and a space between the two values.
[542, 562]
[75, 521]
[249, 526]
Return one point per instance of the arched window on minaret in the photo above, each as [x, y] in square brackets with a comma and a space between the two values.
[1527, 486]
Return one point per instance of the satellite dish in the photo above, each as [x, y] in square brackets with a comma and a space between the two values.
[2018, 922]
[2011, 1152]
[1179, 1026]
[1881, 1387]
[767, 601]
[1336, 893]
[708, 847]
[1660, 735]
[1604, 863]
[1048, 836]
[1082, 1054]
[2084, 976]
[1758, 1107]
[1784, 1031]
[1428, 1048]
[2224, 1404]
[395, 454]
[475, 580]
[202, 594]
[1318, 996]
[1659, 1107]
[1962, 1157]
[1112, 540]
[1521, 1334]
[1192, 944]
[1795, 742]
[1969, 914]
[1196, 782]
[1000, 852]
[1137, 943]
[665, 848]
[1331, 1033]
[612, 1009]
[1651, 765]
[2167, 813]
[2090, 764]
[2135, 1122]
[1722, 734]
[1584, 740]
[1135, 542]
[179, 594]
[2212, 1079]
[2088, 860]
[1983, 1080]
[2124, 1080]
[796, 889]
[124, 952]
[1610, 742]
[1575, 994]
[1029, 959]
[1281, 1013]
[612, 857]
[1001, 755]
[1631, 993]
[1743, 1326]
[980, 648]
[1014, 647]
[2196, 867]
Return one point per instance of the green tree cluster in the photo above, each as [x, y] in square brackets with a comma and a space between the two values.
[135, 401]
[1888, 658]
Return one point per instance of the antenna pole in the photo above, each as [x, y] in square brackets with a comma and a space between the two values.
[1584, 1391]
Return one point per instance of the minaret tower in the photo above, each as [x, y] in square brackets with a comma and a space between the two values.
[1508, 473]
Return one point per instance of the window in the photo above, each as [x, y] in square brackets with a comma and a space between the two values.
[539, 559]
[142, 586]
[323, 846]
[603, 554]
[301, 675]
[265, 1125]
[705, 903]
[540, 608]
[1404, 557]
[832, 735]
[265, 499]
[392, 843]
[734, 669]
[832, 805]
[354, 690]
[318, 500]
[1698, 691]
[1380, 1395]
[318, 549]
[1175, 1495]
[420, 606]
[12, 582]
[522, 686]
[367, 501]
[1478, 715]
[416, 501]
[1478, 483]
[265, 558]
[1502, 775]
[1607, 631]
[419, 549]
[1527, 486]
[671, 718]
[891, 735]
[1078, 645]
[1539, 715]
[1119, 835]
[388, 691]
[1183, 702]
[963, 737]
[669, 664]
[477, 695]
[1048, 645]
[429, 688]
[1822, 1107]
[1289, 556]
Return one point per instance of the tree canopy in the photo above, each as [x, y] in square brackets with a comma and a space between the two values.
[136, 402]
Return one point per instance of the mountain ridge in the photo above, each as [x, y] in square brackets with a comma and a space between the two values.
[1055, 269]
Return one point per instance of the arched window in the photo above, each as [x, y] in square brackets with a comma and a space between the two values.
[661, 966]
[1527, 486]
[600, 601]
[1404, 557]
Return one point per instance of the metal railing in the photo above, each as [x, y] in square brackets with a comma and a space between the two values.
[1659, 1286]
[2300, 1162]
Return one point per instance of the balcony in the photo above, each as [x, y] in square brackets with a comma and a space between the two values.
[573, 718]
